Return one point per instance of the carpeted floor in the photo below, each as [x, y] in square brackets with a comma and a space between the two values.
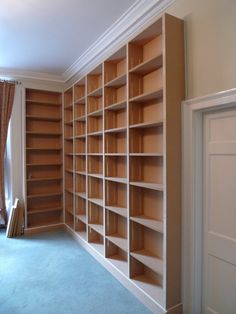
[51, 274]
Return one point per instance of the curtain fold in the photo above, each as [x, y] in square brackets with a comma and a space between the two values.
[7, 92]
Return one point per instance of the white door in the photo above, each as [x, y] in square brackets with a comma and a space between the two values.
[219, 238]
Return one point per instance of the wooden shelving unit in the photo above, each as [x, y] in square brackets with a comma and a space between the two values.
[43, 159]
[122, 165]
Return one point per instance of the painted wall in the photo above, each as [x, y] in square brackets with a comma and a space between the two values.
[210, 34]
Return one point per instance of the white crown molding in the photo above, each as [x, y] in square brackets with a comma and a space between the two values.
[138, 16]
[30, 75]
[141, 14]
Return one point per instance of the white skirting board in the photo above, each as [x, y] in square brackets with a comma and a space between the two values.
[136, 291]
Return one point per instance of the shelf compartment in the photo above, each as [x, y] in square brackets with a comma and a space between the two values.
[44, 219]
[80, 163]
[145, 84]
[68, 97]
[45, 203]
[146, 207]
[144, 113]
[116, 167]
[68, 115]
[43, 111]
[68, 162]
[117, 256]
[116, 142]
[95, 144]
[95, 124]
[94, 79]
[95, 165]
[96, 240]
[80, 206]
[68, 131]
[47, 97]
[80, 183]
[43, 187]
[95, 188]
[69, 180]
[69, 202]
[116, 230]
[114, 95]
[115, 119]
[43, 157]
[79, 110]
[79, 89]
[144, 51]
[68, 147]
[80, 145]
[146, 140]
[43, 126]
[94, 104]
[146, 170]
[44, 172]
[147, 245]
[80, 128]
[43, 141]
[81, 229]
[115, 66]
[95, 214]
[147, 280]
[116, 194]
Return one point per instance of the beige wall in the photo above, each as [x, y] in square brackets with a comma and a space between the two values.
[210, 33]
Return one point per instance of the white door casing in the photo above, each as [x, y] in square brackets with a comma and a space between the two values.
[219, 213]
[192, 198]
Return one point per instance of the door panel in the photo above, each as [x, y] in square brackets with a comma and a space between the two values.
[219, 275]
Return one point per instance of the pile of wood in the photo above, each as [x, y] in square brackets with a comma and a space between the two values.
[15, 222]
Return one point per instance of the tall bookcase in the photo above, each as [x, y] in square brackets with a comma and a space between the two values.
[122, 127]
[43, 159]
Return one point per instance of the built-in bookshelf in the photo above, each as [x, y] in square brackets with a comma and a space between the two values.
[122, 161]
[43, 159]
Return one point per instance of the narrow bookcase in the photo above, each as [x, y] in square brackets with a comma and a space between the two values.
[122, 143]
[43, 159]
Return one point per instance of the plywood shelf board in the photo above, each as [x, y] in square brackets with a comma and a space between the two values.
[148, 65]
[43, 210]
[119, 263]
[147, 96]
[148, 222]
[118, 210]
[98, 201]
[97, 227]
[82, 218]
[117, 179]
[152, 186]
[147, 124]
[118, 240]
[118, 81]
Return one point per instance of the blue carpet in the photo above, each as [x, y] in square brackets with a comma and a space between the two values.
[51, 274]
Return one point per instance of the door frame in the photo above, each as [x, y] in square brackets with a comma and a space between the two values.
[192, 193]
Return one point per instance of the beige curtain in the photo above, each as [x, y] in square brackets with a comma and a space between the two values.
[7, 92]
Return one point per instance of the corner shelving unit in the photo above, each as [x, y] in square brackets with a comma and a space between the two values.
[122, 162]
[43, 160]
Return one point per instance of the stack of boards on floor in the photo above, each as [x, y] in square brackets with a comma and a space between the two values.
[15, 223]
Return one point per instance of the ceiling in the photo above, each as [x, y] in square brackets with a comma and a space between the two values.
[48, 36]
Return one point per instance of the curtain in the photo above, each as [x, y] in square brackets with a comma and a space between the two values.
[7, 92]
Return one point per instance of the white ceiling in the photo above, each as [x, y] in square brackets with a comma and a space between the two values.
[50, 35]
